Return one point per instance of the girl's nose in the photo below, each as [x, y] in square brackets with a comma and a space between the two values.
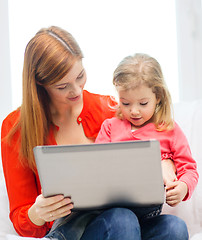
[134, 111]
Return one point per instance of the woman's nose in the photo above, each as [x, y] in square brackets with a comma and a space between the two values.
[75, 90]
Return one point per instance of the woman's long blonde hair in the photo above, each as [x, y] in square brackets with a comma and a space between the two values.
[139, 69]
[49, 56]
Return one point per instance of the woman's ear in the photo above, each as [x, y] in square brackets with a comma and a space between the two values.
[158, 101]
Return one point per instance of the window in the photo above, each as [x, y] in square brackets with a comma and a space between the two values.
[106, 31]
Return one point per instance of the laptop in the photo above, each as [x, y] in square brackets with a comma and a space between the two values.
[98, 176]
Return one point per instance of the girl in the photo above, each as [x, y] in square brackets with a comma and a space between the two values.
[145, 113]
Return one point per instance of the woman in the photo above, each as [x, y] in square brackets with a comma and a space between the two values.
[56, 110]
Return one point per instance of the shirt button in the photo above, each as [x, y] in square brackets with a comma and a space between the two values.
[79, 119]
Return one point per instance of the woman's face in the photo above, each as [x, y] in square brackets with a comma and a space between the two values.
[68, 91]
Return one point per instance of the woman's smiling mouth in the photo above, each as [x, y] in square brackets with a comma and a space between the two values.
[74, 98]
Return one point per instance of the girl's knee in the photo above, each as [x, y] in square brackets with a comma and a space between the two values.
[178, 228]
[124, 221]
[122, 216]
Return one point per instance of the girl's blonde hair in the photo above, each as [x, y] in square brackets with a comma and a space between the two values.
[49, 56]
[139, 69]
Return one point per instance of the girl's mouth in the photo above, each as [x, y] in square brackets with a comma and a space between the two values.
[136, 119]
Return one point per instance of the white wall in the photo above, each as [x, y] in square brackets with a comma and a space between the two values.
[189, 32]
[111, 28]
[106, 30]
[5, 85]
[5, 76]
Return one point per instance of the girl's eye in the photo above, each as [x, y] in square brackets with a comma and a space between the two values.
[144, 103]
[125, 104]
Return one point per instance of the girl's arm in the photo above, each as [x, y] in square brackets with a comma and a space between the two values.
[185, 164]
[176, 192]
[186, 170]
[104, 134]
[168, 171]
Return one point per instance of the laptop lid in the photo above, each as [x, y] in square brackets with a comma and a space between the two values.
[97, 176]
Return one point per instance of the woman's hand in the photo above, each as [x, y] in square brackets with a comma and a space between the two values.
[175, 192]
[49, 209]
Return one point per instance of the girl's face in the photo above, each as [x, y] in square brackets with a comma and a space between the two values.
[68, 91]
[138, 105]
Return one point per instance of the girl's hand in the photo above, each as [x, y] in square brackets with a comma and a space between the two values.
[175, 192]
[49, 209]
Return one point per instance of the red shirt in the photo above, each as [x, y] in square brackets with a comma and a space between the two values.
[173, 143]
[23, 186]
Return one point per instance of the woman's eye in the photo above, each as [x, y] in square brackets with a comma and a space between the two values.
[61, 88]
[144, 103]
[80, 76]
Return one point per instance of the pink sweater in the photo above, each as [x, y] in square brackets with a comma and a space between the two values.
[174, 145]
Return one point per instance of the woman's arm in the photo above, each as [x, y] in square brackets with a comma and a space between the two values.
[30, 213]
[22, 185]
[49, 209]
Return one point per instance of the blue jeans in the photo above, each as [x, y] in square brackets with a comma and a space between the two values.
[120, 224]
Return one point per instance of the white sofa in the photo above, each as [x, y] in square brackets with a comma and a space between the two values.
[189, 117]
